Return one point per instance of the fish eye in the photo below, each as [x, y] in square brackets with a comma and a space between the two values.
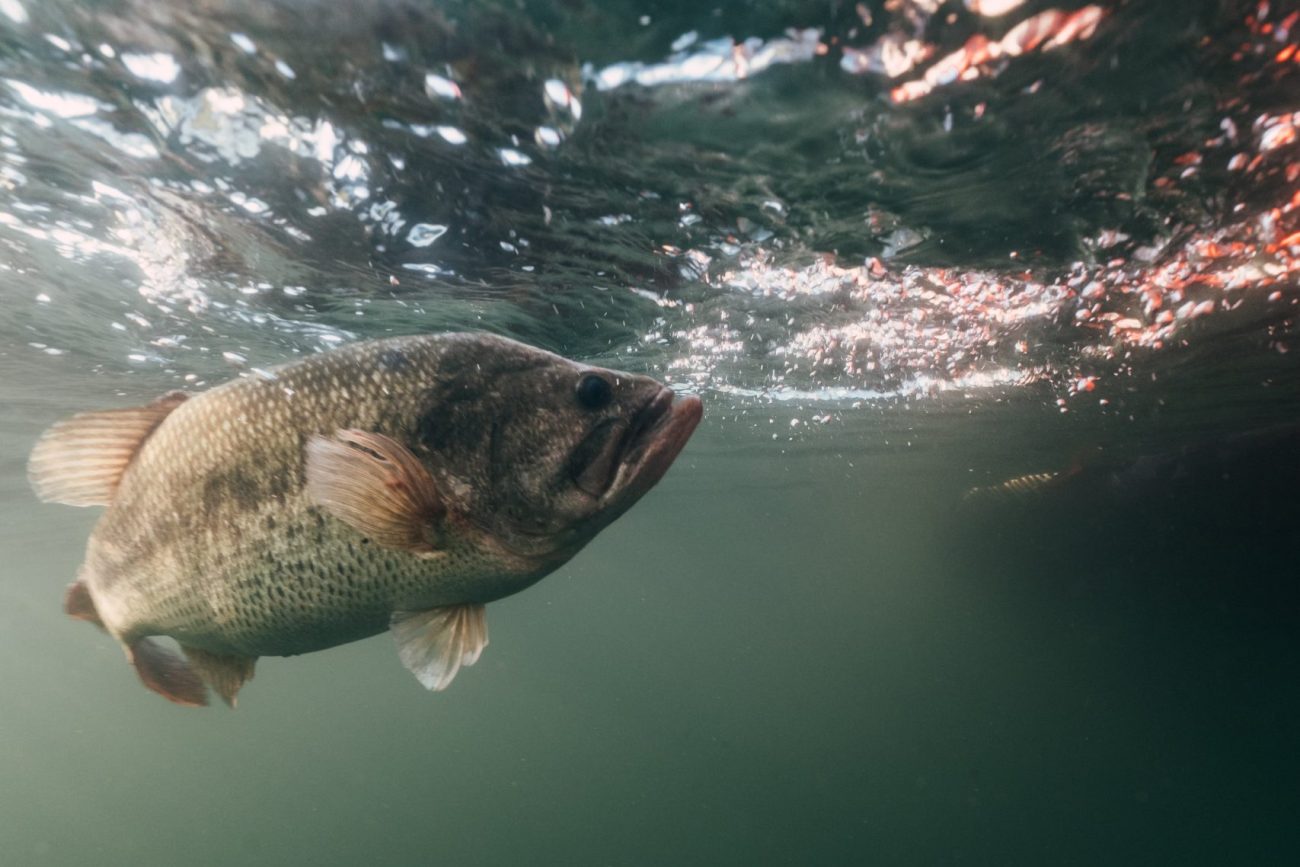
[594, 391]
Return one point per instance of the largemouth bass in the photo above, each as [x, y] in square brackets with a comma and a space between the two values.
[396, 484]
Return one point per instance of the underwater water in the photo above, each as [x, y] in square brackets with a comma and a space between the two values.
[985, 551]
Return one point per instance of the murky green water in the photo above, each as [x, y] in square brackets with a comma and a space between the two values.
[901, 254]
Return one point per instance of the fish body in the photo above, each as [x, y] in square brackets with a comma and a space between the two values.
[395, 484]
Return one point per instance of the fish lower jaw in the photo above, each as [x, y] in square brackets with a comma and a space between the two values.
[654, 451]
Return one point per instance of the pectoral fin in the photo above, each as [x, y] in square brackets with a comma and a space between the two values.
[376, 485]
[79, 461]
[225, 674]
[434, 644]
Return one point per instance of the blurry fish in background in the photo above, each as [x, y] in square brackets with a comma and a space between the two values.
[1187, 532]
[1027, 484]
[1220, 493]
[1238, 462]
[396, 484]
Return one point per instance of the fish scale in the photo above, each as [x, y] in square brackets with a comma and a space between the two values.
[262, 538]
[397, 484]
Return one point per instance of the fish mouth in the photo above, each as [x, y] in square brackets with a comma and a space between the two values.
[656, 435]
[618, 462]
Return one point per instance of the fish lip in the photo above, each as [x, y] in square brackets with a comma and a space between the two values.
[655, 435]
[646, 418]
[658, 434]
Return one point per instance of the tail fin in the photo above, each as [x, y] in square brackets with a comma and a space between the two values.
[161, 670]
[78, 604]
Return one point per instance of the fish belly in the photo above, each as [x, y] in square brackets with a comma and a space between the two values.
[270, 584]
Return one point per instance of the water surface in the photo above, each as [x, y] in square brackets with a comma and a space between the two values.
[903, 251]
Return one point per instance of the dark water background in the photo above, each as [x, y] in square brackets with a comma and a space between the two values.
[812, 643]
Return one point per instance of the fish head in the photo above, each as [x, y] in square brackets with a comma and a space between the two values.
[545, 451]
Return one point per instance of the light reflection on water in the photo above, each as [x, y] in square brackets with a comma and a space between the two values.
[218, 200]
[894, 201]
[905, 249]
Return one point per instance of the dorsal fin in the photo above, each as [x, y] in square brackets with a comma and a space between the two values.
[79, 462]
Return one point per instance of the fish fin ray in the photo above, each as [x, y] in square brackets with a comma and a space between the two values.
[78, 604]
[434, 644]
[167, 674]
[79, 461]
[224, 674]
[378, 487]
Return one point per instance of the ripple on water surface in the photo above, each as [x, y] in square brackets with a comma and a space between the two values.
[873, 202]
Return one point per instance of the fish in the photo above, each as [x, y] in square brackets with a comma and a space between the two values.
[1016, 486]
[1203, 523]
[397, 485]
[1246, 465]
